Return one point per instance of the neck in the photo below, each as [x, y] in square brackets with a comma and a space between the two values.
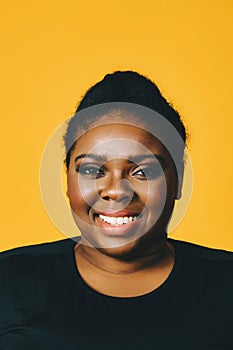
[160, 254]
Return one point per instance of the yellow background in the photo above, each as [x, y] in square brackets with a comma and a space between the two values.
[52, 51]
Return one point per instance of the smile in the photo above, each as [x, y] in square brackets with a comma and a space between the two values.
[116, 221]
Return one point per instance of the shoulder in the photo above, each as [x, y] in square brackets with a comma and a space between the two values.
[30, 278]
[204, 258]
[205, 265]
[27, 268]
[33, 258]
[42, 249]
[195, 251]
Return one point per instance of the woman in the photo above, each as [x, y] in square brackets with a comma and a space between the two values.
[124, 284]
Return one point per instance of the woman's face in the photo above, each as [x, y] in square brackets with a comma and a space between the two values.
[121, 186]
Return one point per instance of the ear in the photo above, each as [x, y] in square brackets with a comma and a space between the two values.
[180, 181]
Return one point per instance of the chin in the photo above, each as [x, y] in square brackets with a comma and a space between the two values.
[126, 251]
[134, 249]
[124, 246]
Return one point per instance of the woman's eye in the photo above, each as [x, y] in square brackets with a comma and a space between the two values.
[90, 171]
[147, 172]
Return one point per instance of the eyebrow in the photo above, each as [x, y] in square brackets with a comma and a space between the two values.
[96, 157]
[132, 159]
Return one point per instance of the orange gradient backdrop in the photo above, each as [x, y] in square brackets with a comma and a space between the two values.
[53, 51]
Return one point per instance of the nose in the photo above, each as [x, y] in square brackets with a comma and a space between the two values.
[116, 189]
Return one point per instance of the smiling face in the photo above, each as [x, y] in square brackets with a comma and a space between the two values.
[122, 185]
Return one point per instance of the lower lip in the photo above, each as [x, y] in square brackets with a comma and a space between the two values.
[117, 230]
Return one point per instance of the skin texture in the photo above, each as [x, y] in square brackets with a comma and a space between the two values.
[119, 185]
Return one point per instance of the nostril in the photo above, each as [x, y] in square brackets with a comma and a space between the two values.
[109, 198]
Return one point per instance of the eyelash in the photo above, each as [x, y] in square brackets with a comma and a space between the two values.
[88, 171]
[147, 171]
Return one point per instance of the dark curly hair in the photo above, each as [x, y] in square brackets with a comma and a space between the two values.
[120, 86]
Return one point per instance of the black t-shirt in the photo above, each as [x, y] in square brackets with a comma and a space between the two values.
[44, 304]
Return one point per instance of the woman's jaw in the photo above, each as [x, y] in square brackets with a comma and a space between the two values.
[131, 240]
[121, 185]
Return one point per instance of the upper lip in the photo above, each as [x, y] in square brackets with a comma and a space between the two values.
[121, 213]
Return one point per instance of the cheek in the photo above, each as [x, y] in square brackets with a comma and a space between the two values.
[81, 195]
[156, 194]
[73, 192]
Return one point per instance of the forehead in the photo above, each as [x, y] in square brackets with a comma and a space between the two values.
[118, 140]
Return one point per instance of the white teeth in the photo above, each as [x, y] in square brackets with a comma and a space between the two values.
[120, 221]
[117, 220]
[108, 219]
[113, 221]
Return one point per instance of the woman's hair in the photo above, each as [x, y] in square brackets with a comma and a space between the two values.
[121, 86]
